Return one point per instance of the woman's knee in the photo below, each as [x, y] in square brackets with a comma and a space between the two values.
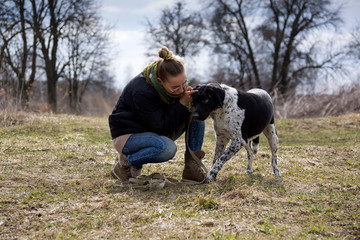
[169, 148]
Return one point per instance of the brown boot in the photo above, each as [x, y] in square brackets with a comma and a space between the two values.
[121, 170]
[192, 170]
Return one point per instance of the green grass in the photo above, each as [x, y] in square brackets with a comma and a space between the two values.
[55, 181]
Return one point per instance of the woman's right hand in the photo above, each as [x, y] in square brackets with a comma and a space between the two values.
[186, 98]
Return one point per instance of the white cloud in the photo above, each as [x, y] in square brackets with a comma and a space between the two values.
[128, 55]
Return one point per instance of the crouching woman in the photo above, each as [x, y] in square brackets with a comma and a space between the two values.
[151, 113]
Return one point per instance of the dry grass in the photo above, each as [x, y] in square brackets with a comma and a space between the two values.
[10, 117]
[54, 182]
[99, 101]
[319, 105]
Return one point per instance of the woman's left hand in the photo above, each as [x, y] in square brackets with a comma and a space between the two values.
[186, 98]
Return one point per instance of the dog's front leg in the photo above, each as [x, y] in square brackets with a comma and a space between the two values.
[221, 142]
[234, 147]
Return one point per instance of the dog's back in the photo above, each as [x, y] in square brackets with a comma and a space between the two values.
[259, 111]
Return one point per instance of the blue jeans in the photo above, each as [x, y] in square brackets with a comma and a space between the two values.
[148, 147]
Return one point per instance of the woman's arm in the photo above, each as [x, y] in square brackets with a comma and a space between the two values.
[158, 116]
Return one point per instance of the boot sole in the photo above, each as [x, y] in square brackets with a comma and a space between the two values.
[113, 174]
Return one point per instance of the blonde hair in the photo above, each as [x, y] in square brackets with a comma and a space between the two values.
[168, 64]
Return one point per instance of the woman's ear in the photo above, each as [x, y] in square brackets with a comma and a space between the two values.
[159, 80]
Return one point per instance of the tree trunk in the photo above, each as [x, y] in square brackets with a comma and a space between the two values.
[51, 86]
[31, 80]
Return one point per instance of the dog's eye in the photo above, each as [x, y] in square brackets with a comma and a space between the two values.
[205, 100]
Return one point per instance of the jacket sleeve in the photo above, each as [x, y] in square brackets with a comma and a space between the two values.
[157, 116]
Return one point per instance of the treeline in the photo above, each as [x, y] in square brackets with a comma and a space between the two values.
[277, 45]
[48, 41]
[61, 47]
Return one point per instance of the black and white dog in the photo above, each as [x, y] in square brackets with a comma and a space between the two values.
[240, 117]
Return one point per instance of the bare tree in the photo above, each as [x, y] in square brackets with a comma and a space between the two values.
[294, 20]
[354, 45]
[266, 38]
[180, 31]
[232, 36]
[60, 39]
[16, 51]
[86, 48]
[50, 20]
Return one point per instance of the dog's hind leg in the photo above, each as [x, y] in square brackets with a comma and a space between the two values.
[250, 156]
[254, 145]
[234, 147]
[270, 133]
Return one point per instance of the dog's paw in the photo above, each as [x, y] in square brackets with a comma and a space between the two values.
[206, 181]
[277, 173]
[249, 171]
[209, 178]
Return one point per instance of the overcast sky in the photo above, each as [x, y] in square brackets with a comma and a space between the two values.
[127, 37]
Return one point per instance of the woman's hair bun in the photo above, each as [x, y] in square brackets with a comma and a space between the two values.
[165, 54]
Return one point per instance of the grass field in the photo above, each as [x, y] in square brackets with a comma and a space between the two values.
[55, 181]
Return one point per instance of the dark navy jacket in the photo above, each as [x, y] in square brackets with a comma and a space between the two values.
[140, 109]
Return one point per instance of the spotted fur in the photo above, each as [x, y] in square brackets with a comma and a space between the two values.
[240, 117]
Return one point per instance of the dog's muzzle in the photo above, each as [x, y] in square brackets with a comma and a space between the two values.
[195, 115]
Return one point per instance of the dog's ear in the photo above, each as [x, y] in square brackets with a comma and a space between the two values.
[197, 87]
[219, 94]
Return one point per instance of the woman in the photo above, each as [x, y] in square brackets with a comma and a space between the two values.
[151, 113]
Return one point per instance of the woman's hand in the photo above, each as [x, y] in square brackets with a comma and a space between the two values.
[186, 99]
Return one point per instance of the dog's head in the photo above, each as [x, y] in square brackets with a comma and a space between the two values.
[207, 99]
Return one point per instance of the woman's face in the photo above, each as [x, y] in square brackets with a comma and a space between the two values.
[174, 84]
